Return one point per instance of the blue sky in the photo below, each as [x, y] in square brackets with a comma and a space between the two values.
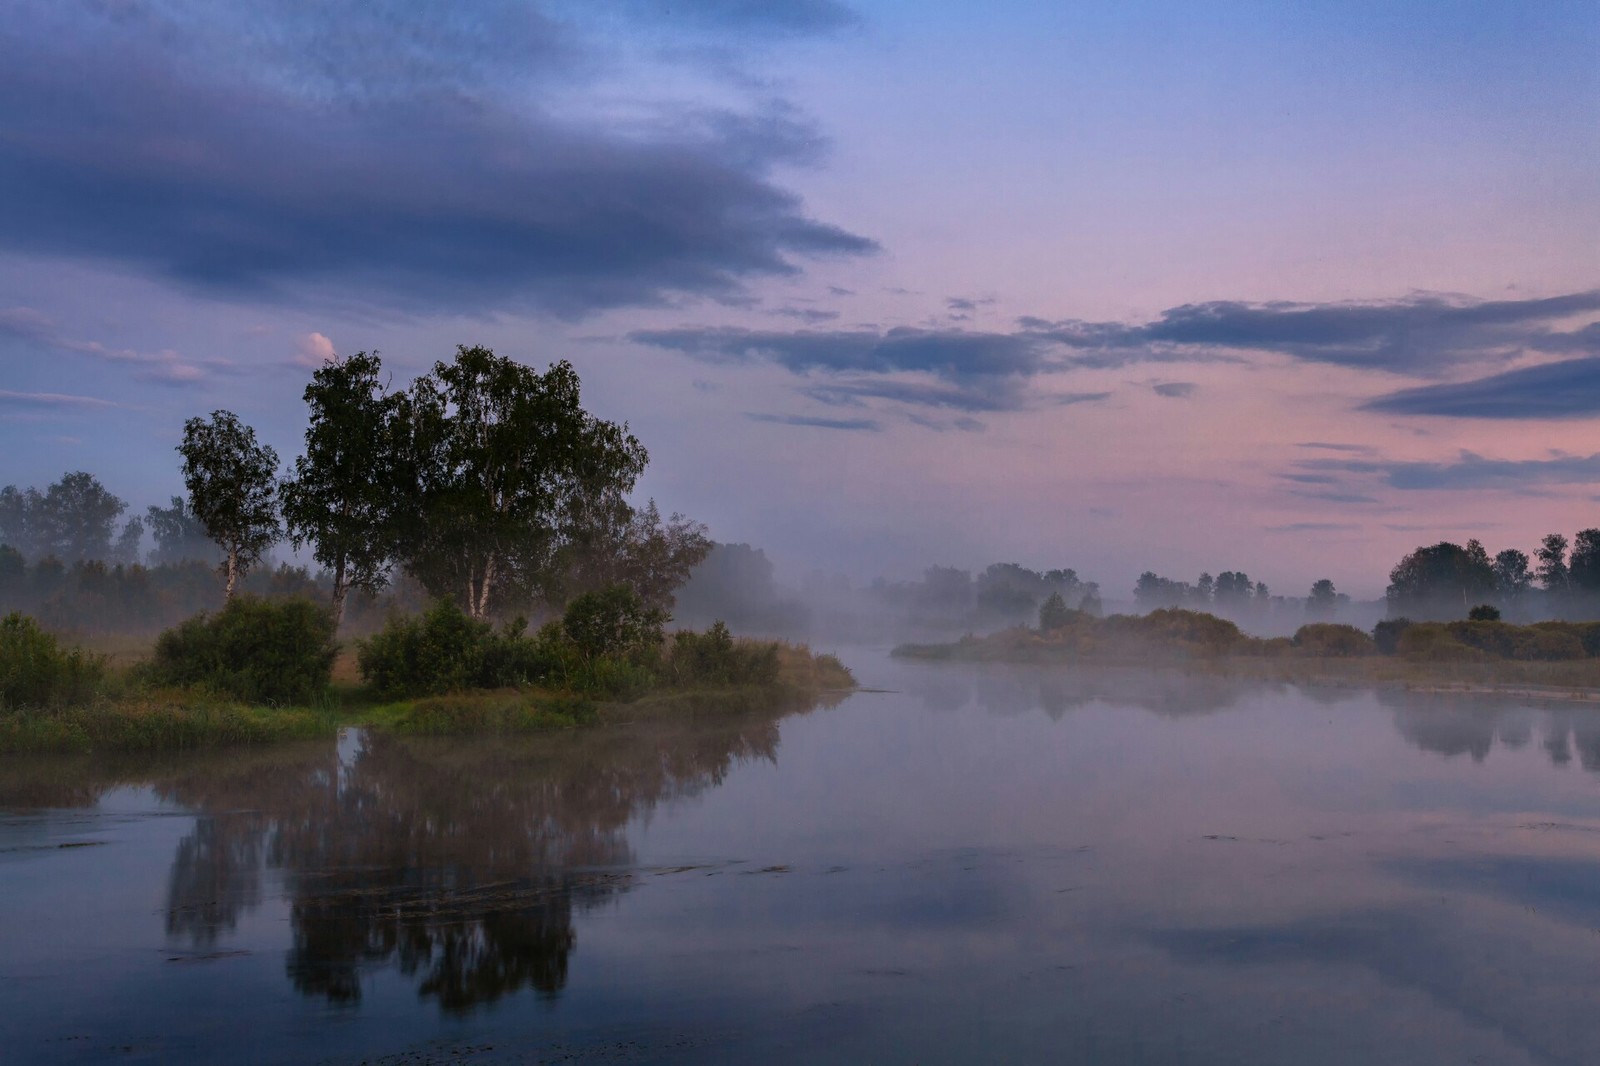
[1287, 288]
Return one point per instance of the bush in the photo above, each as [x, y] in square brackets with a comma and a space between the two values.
[1518, 642]
[613, 622]
[1333, 640]
[1054, 613]
[1386, 634]
[715, 658]
[445, 651]
[1433, 642]
[36, 672]
[257, 651]
[1484, 613]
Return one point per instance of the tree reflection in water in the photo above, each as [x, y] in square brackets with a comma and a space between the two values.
[460, 863]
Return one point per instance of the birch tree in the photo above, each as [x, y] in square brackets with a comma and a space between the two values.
[231, 481]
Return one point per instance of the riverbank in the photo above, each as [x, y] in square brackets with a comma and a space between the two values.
[1457, 657]
[126, 717]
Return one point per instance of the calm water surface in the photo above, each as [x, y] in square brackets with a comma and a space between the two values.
[985, 864]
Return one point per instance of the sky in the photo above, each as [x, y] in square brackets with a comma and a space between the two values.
[1286, 288]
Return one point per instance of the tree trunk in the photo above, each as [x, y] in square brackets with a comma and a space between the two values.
[233, 573]
[340, 591]
[480, 602]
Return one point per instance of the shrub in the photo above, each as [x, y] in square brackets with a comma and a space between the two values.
[1386, 634]
[715, 658]
[36, 672]
[1518, 642]
[258, 651]
[1054, 613]
[1334, 640]
[1587, 633]
[1484, 613]
[613, 622]
[444, 651]
[1191, 631]
[1433, 642]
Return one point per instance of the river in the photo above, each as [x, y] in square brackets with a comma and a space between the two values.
[975, 864]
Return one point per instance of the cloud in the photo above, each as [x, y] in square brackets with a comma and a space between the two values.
[986, 370]
[866, 424]
[811, 316]
[1567, 389]
[165, 366]
[1328, 446]
[442, 166]
[785, 17]
[1421, 333]
[51, 400]
[953, 353]
[1469, 471]
[1314, 527]
[313, 351]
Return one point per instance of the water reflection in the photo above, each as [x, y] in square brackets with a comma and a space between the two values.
[1472, 725]
[1012, 690]
[459, 863]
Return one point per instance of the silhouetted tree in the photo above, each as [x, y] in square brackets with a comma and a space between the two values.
[73, 520]
[1324, 598]
[1053, 613]
[1440, 581]
[1512, 579]
[178, 534]
[344, 493]
[231, 479]
[1583, 571]
[502, 464]
[1552, 555]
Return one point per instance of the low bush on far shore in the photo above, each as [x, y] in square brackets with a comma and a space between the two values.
[1182, 635]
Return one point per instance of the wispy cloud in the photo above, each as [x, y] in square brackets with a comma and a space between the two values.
[1566, 389]
[51, 400]
[166, 366]
[865, 424]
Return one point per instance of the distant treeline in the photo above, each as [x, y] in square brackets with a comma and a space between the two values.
[1445, 581]
[92, 597]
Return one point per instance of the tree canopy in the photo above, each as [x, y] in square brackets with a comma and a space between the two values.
[231, 481]
[343, 496]
[502, 468]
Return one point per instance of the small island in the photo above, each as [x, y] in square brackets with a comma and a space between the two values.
[442, 517]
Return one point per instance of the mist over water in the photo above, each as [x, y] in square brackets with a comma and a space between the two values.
[996, 862]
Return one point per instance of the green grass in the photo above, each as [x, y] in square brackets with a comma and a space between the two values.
[126, 715]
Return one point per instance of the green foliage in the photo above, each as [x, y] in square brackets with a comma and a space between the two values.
[1054, 613]
[1333, 640]
[613, 623]
[343, 495]
[715, 658]
[500, 464]
[1386, 634]
[1484, 612]
[258, 651]
[455, 715]
[444, 651]
[36, 672]
[230, 479]
[157, 725]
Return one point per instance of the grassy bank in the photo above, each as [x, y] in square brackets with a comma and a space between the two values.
[122, 714]
[1547, 660]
